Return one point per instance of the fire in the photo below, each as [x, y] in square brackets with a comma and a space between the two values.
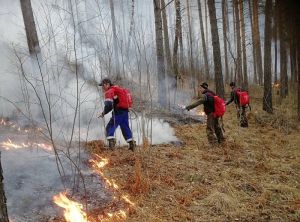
[17, 127]
[8, 145]
[73, 210]
[201, 113]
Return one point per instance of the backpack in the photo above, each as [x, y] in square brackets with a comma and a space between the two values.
[125, 98]
[220, 107]
[244, 98]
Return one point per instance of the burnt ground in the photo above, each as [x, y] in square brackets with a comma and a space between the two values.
[31, 178]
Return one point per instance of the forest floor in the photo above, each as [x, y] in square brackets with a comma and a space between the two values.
[254, 176]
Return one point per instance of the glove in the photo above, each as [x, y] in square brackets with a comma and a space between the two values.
[187, 108]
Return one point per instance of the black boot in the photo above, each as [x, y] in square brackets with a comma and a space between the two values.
[132, 145]
[111, 143]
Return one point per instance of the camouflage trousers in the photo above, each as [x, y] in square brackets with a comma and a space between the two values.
[213, 130]
[242, 117]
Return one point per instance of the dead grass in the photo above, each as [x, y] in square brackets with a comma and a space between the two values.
[255, 176]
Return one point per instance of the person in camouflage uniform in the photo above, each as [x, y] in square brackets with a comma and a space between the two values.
[241, 110]
[213, 128]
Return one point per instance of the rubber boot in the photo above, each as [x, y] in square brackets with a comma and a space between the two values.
[111, 143]
[132, 145]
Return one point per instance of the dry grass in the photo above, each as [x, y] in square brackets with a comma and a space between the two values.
[255, 176]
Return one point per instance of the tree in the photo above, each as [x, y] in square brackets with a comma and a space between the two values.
[267, 99]
[257, 46]
[115, 39]
[160, 62]
[275, 34]
[244, 52]
[225, 27]
[203, 41]
[31, 34]
[255, 79]
[283, 53]
[178, 36]
[239, 75]
[216, 49]
[166, 37]
[3, 209]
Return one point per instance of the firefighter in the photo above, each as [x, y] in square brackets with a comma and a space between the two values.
[241, 110]
[119, 116]
[213, 128]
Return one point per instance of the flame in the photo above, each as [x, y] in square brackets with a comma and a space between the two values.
[201, 113]
[11, 145]
[17, 127]
[73, 210]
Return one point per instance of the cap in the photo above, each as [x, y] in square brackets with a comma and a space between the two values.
[105, 81]
[204, 85]
[232, 84]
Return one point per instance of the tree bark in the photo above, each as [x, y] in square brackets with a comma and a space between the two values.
[257, 42]
[115, 40]
[166, 37]
[245, 70]
[3, 209]
[225, 27]
[160, 62]
[31, 33]
[283, 52]
[203, 42]
[255, 79]
[216, 49]
[267, 99]
[238, 44]
[275, 32]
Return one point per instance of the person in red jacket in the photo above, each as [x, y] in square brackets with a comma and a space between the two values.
[213, 128]
[119, 115]
[241, 110]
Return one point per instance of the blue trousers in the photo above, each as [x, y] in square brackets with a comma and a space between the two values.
[119, 119]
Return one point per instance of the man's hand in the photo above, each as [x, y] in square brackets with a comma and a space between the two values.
[100, 115]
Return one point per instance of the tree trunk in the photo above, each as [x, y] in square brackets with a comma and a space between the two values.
[298, 61]
[161, 79]
[257, 42]
[191, 55]
[131, 29]
[203, 42]
[31, 34]
[267, 99]
[275, 31]
[283, 53]
[115, 40]
[238, 44]
[176, 43]
[255, 79]
[216, 49]
[166, 37]
[245, 70]
[225, 26]
[3, 209]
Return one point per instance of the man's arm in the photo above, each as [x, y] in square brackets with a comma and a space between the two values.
[231, 98]
[197, 103]
[108, 101]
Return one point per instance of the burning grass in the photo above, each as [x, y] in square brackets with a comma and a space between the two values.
[254, 176]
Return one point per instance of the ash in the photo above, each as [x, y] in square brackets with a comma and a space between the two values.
[31, 179]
